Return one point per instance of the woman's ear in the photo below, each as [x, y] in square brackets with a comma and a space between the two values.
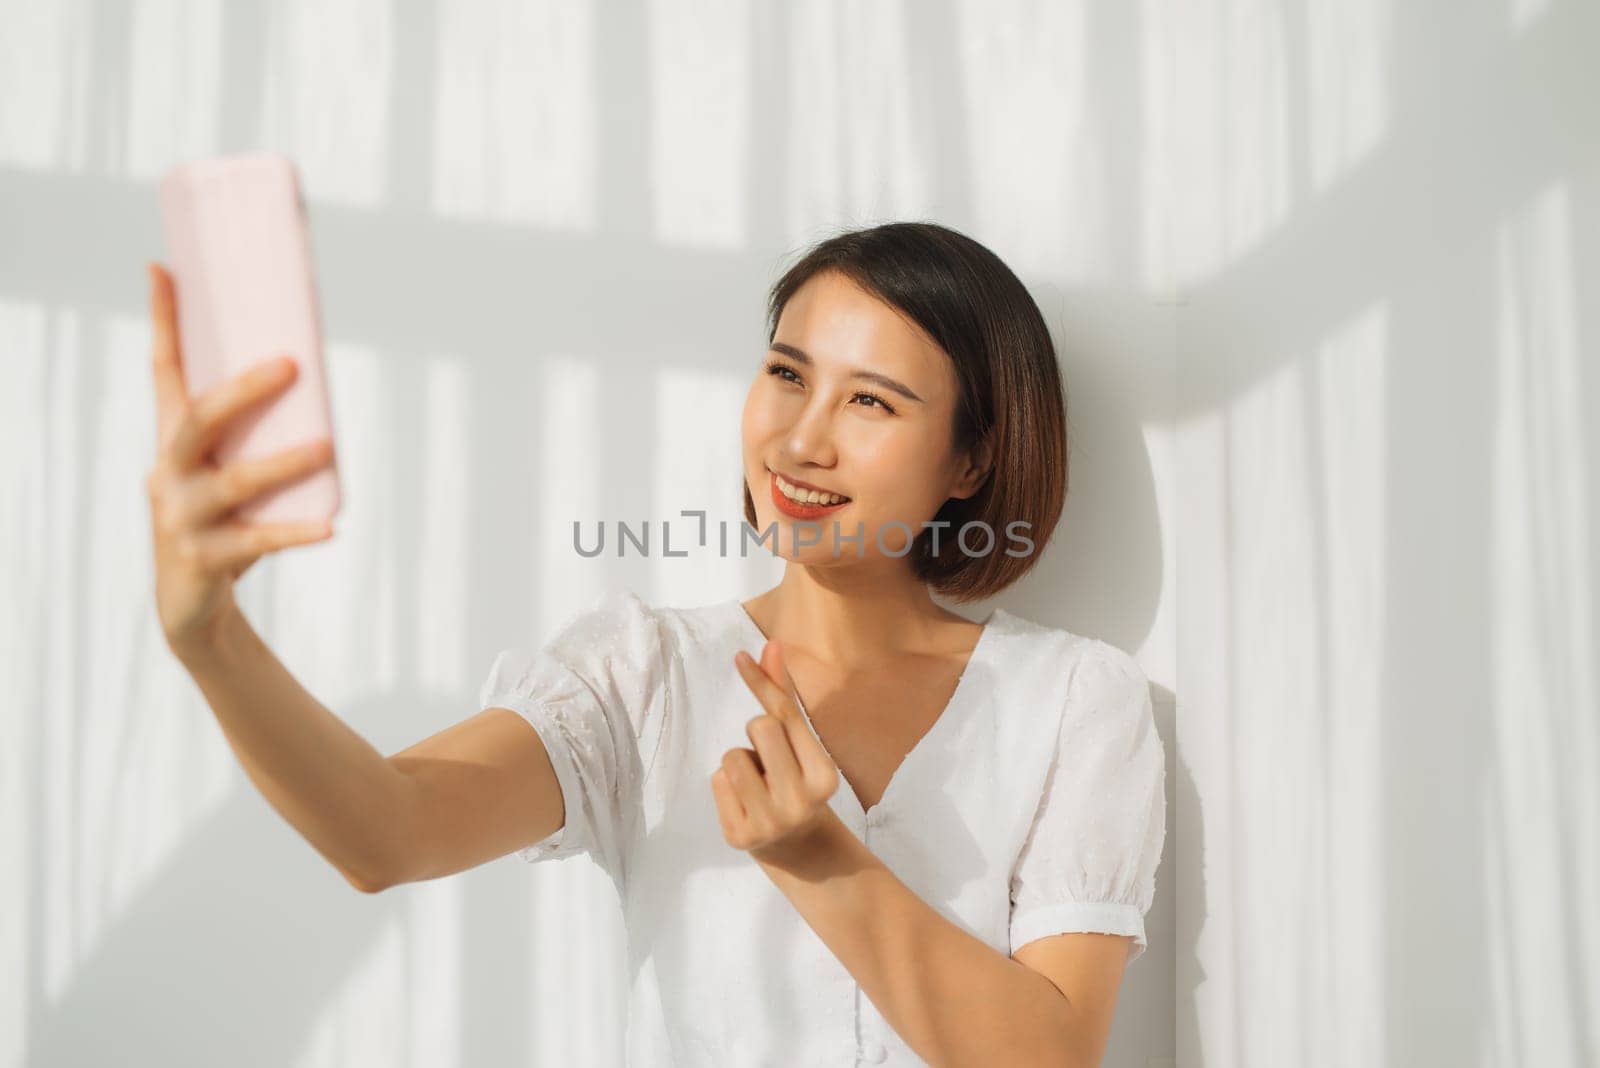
[976, 470]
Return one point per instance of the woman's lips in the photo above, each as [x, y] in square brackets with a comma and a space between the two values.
[795, 509]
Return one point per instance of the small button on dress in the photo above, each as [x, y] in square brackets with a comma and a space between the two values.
[1034, 805]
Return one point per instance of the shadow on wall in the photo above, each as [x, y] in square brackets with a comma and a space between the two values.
[231, 953]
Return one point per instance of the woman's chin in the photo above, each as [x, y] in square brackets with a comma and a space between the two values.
[820, 537]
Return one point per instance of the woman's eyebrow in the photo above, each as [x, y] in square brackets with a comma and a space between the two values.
[799, 355]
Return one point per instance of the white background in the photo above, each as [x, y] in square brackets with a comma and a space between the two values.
[1321, 274]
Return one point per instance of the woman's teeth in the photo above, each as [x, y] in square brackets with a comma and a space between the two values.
[805, 496]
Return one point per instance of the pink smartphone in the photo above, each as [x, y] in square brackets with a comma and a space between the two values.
[239, 250]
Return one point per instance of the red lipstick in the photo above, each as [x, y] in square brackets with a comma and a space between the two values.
[796, 510]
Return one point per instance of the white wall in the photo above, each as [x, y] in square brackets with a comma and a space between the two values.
[544, 234]
[1386, 234]
[1319, 273]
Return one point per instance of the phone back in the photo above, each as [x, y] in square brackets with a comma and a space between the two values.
[239, 250]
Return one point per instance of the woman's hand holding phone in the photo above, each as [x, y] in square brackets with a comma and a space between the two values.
[200, 548]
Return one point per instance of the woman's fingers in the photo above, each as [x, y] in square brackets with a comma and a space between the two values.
[740, 768]
[766, 689]
[781, 786]
[234, 546]
[816, 767]
[779, 766]
[187, 428]
[219, 492]
[730, 810]
[165, 356]
[206, 418]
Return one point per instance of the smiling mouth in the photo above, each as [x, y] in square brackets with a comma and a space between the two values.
[809, 504]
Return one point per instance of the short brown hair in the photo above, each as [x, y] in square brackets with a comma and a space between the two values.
[979, 312]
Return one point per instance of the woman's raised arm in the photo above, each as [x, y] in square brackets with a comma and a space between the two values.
[471, 793]
[466, 795]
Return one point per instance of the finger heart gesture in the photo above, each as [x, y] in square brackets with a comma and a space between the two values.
[771, 797]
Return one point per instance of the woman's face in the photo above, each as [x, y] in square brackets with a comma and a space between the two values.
[854, 399]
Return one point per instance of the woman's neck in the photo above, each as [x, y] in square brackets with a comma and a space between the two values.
[854, 623]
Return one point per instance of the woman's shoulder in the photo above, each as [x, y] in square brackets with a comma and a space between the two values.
[1066, 656]
[1044, 640]
[621, 614]
[615, 615]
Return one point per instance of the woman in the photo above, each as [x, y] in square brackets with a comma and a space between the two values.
[941, 841]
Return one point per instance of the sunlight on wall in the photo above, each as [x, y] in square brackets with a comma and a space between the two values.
[400, 1003]
[1305, 456]
[1347, 61]
[1157, 653]
[515, 113]
[22, 586]
[162, 771]
[1275, 683]
[440, 497]
[697, 466]
[1350, 399]
[356, 1024]
[1025, 91]
[326, 95]
[129, 766]
[853, 153]
[45, 78]
[433, 966]
[699, 100]
[1541, 808]
[578, 979]
[575, 963]
[1159, 180]
[336, 608]
[565, 442]
[1229, 60]
[174, 97]
[1204, 725]
[1231, 161]
[1524, 13]
[69, 921]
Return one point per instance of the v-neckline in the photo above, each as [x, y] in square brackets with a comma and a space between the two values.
[951, 709]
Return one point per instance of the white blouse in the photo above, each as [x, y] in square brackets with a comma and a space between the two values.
[1034, 805]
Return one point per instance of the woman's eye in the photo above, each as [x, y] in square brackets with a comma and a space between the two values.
[877, 401]
[785, 374]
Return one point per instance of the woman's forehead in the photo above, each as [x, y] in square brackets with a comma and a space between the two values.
[843, 327]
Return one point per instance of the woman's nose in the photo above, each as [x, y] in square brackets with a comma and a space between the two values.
[810, 439]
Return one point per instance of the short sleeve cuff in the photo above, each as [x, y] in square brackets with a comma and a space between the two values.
[559, 843]
[547, 848]
[1107, 917]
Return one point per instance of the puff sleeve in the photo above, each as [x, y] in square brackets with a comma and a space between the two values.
[1090, 857]
[594, 692]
